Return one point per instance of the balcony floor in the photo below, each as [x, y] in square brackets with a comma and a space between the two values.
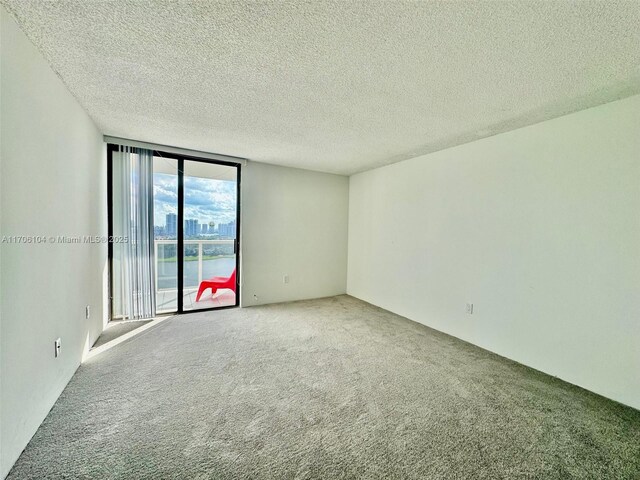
[167, 300]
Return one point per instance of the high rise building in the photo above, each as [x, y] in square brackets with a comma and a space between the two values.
[191, 228]
[227, 230]
[171, 228]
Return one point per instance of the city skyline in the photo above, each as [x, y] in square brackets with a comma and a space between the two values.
[193, 228]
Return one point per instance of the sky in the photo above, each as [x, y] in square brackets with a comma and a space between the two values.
[205, 199]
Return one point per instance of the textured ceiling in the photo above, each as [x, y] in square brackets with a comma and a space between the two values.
[334, 86]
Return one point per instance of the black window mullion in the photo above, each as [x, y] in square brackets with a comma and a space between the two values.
[180, 234]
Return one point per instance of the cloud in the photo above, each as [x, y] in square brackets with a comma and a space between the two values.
[205, 199]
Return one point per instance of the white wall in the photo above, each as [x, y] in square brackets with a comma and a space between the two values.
[294, 222]
[539, 228]
[53, 183]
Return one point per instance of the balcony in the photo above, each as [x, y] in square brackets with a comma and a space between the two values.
[203, 259]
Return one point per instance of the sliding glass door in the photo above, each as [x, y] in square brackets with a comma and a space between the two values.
[193, 241]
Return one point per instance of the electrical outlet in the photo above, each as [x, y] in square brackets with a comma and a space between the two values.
[57, 345]
[469, 308]
[88, 312]
[285, 279]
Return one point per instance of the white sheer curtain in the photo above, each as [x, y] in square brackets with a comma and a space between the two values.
[134, 282]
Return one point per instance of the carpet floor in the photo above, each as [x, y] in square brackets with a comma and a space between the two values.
[117, 329]
[329, 388]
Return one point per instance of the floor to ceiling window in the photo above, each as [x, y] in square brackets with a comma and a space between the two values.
[191, 236]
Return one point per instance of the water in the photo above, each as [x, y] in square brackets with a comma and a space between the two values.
[217, 267]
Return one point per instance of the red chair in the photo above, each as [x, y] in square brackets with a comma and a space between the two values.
[217, 283]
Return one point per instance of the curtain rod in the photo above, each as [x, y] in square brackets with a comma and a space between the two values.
[166, 148]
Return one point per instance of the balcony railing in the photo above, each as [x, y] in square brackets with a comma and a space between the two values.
[203, 259]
